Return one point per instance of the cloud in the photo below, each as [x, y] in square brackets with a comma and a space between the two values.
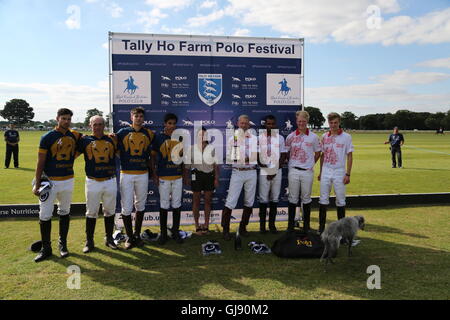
[208, 4]
[241, 32]
[166, 4]
[406, 77]
[350, 21]
[203, 20]
[150, 18]
[74, 19]
[46, 98]
[389, 92]
[436, 63]
[115, 10]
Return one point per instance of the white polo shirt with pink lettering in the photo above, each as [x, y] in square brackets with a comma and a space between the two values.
[335, 149]
[302, 147]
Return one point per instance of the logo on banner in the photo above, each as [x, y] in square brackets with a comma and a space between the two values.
[287, 129]
[210, 88]
[283, 89]
[132, 87]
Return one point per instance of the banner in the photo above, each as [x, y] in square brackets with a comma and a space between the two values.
[209, 79]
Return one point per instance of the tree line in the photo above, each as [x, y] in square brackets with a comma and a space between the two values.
[20, 113]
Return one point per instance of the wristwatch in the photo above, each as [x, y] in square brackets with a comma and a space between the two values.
[347, 174]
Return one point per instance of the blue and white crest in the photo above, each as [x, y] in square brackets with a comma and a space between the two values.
[209, 88]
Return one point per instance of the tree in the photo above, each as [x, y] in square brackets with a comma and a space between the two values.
[17, 111]
[349, 121]
[90, 113]
[316, 118]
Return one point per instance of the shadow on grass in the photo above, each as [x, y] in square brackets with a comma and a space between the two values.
[181, 272]
[24, 169]
[427, 169]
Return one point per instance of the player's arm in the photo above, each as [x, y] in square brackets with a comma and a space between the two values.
[316, 156]
[321, 165]
[39, 169]
[153, 158]
[349, 167]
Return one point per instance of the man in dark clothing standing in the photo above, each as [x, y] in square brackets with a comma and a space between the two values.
[12, 146]
[396, 140]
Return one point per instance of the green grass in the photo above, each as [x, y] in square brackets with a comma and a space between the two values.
[410, 245]
[426, 168]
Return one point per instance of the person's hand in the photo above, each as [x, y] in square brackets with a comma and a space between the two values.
[36, 189]
[216, 182]
[346, 179]
[156, 179]
[271, 176]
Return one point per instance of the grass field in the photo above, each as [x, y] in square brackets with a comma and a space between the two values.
[410, 245]
[426, 168]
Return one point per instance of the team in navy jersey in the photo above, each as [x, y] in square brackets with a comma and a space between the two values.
[141, 154]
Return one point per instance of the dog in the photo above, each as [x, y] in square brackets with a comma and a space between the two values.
[346, 229]
[136, 143]
[102, 151]
[63, 148]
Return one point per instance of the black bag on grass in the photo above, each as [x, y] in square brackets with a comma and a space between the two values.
[298, 244]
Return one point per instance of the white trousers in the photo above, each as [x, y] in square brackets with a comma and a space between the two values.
[133, 191]
[62, 192]
[170, 193]
[332, 178]
[300, 185]
[269, 190]
[239, 179]
[100, 191]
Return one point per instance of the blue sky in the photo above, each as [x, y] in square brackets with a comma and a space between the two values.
[362, 56]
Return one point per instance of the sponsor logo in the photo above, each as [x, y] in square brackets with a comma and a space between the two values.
[283, 89]
[43, 196]
[209, 88]
[132, 87]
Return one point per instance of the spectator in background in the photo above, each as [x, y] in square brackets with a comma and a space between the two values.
[12, 146]
[396, 141]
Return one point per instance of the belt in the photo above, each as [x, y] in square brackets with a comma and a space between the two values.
[101, 179]
[300, 169]
[244, 169]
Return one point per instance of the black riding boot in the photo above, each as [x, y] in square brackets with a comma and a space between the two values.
[306, 216]
[340, 212]
[137, 228]
[109, 229]
[176, 217]
[64, 222]
[90, 229]
[246, 213]
[163, 226]
[225, 223]
[262, 217]
[128, 224]
[46, 251]
[291, 216]
[322, 217]
[272, 216]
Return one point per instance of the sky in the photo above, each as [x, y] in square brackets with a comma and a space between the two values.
[363, 56]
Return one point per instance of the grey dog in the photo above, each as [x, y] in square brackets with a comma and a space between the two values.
[346, 229]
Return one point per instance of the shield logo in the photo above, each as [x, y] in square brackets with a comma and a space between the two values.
[209, 88]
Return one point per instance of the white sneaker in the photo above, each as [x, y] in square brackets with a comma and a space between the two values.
[355, 243]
